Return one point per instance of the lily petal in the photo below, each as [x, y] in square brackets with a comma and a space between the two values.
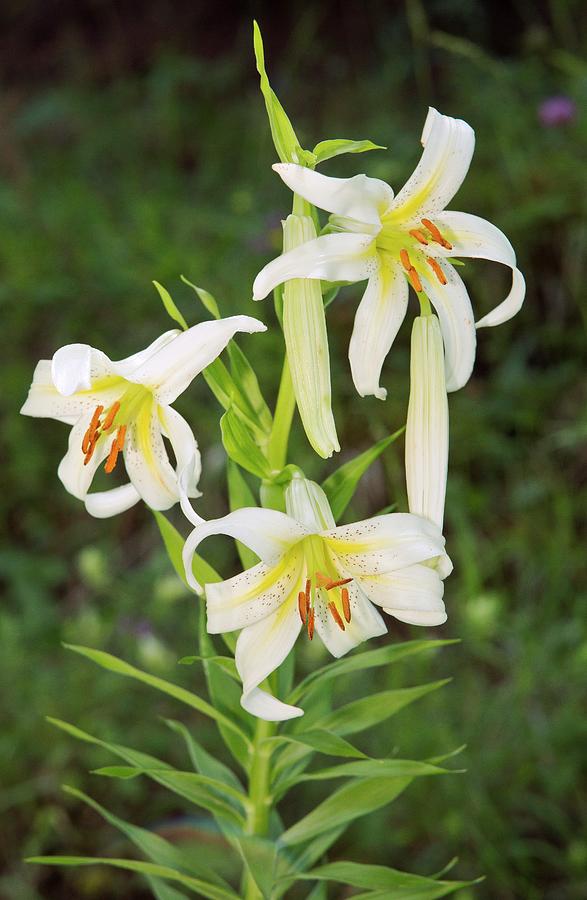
[185, 447]
[385, 543]
[169, 371]
[332, 257]
[365, 623]
[147, 462]
[103, 504]
[45, 401]
[260, 649]
[377, 321]
[253, 594]
[75, 476]
[427, 422]
[448, 148]
[360, 197]
[125, 367]
[413, 594]
[457, 323]
[267, 532]
[474, 237]
[75, 366]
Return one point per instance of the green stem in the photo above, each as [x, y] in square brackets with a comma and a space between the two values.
[284, 410]
[259, 799]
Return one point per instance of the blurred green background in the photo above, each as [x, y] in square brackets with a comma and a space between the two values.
[133, 146]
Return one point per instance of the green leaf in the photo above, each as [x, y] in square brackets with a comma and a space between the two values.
[284, 137]
[152, 845]
[356, 799]
[119, 667]
[241, 447]
[244, 376]
[342, 484]
[366, 659]
[145, 868]
[202, 761]
[163, 891]
[239, 496]
[260, 858]
[369, 711]
[226, 663]
[228, 394]
[195, 788]
[206, 297]
[225, 694]
[396, 884]
[170, 306]
[368, 768]
[174, 543]
[327, 149]
[322, 741]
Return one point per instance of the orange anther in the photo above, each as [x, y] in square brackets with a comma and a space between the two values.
[112, 457]
[322, 580]
[91, 430]
[302, 607]
[437, 270]
[415, 280]
[436, 235]
[333, 584]
[308, 588]
[91, 448]
[405, 260]
[336, 615]
[311, 624]
[110, 415]
[418, 235]
[120, 437]
[346, 604]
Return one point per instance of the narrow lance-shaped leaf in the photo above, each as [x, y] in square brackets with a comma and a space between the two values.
[328, 149]
[244, 376]
[170, 306]
[208, 301]
[240, 446]
[284, 137]
[119, 667]
[340, 486]
[397, 884]
[144, 868]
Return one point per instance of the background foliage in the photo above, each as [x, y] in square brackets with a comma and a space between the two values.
[134, 146]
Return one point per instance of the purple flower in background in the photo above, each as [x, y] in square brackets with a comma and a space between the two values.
[555, 111]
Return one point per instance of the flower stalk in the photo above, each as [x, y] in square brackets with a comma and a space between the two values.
[257, 823]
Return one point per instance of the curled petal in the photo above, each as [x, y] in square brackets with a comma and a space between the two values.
[377, 321]
[260, 649]
[457, 323]
[170, 370]
[412, 595]
[427, 422]
[267, 532]
[365, 623]
[185, 448]
[253, 594]
[360, 197]
[45, 401]
[332, 257]
[508, 307]
[75, 366]
[385, 543]
[103, 504]
[448, 148]
[127, 366]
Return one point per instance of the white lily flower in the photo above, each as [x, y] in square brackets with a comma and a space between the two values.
[427, 422]
[318, 577]
[124, 407]
[397, 241]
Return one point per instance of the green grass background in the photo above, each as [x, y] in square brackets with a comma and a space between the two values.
[133, 146]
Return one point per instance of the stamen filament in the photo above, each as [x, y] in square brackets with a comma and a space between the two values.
[336, 615]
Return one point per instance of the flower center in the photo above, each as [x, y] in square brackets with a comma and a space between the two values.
[325, 586]
[113, 424]
[393, 240]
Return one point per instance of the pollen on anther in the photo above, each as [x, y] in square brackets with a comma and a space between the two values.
[336, 615]
[91, 448]
[311, 624]
[405, 259]
[111, 415]
[120, 436]
[112, 457]
[346, 604]
[437, 270]
[418, 235]
[339, 583]
[415, 280]
[302, 607]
